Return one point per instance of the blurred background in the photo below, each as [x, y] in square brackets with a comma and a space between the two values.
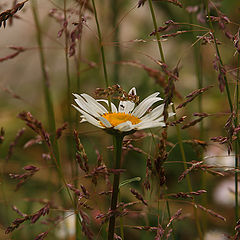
[67, 38]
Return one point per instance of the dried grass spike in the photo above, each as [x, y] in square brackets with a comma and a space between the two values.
[4, 16]
[138, 196]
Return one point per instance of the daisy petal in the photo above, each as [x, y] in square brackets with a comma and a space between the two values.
[105, 122]
[132, 91]
[124, 127]
[144, 106]
[152, 95]
[155, 113]
[92, 101]
[127, 106]
[88, 109]
[89, 104]
[151, 124]
[83, 119]
[89, 118]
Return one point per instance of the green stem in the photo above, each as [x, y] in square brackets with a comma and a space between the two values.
[49, 104]
[230, 105]
[199, 73]
[118, 139]
[69, 139]
[218, 55]
[102, 53]
[156, 30]
[67, 61]
[187, 176]
[46, 84]
[177, 127]
[117, 52]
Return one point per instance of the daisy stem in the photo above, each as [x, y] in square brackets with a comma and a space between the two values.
[117, 140]
[177, 127]
[102, 53]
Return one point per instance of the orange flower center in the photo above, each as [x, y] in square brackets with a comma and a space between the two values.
[117, 118]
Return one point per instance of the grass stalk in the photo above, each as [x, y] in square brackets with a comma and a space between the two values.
[156, 30]
[218, 54]
[118, 140]
[46, 84]
[69, 139]
[117, 51]
[180, 141]
[177, 127]
[230, 106]
[199, 74]
[102, 53]
[49, 104]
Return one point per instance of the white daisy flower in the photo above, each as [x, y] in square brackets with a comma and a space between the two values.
[126, 118]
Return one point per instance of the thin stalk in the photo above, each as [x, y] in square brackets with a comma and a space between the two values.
[78, 64]
[78, 57]
[118, 139]
[67, 59]
[198, 70]
[199, 73]
[237, 144]
[46, 84]
[177, 127]
[117, 59]
[169, 217]
[236, 181]
[49, 104]
[218, 55]
[156, 30]
[231, 107]
[117, 52]
[69, 140]
[187, 176]
[121, 220]
[102, 53]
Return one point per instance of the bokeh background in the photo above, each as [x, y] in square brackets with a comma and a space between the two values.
[129, 51]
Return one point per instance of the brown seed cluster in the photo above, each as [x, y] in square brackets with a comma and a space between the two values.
[8, 14]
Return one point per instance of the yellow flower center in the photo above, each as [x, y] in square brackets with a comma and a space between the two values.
[117, 118]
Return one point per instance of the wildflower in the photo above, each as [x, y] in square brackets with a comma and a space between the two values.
[124, 119]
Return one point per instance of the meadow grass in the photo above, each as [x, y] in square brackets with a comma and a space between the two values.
[62, 179]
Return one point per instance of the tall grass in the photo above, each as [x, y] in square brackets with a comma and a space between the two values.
[167, 177]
